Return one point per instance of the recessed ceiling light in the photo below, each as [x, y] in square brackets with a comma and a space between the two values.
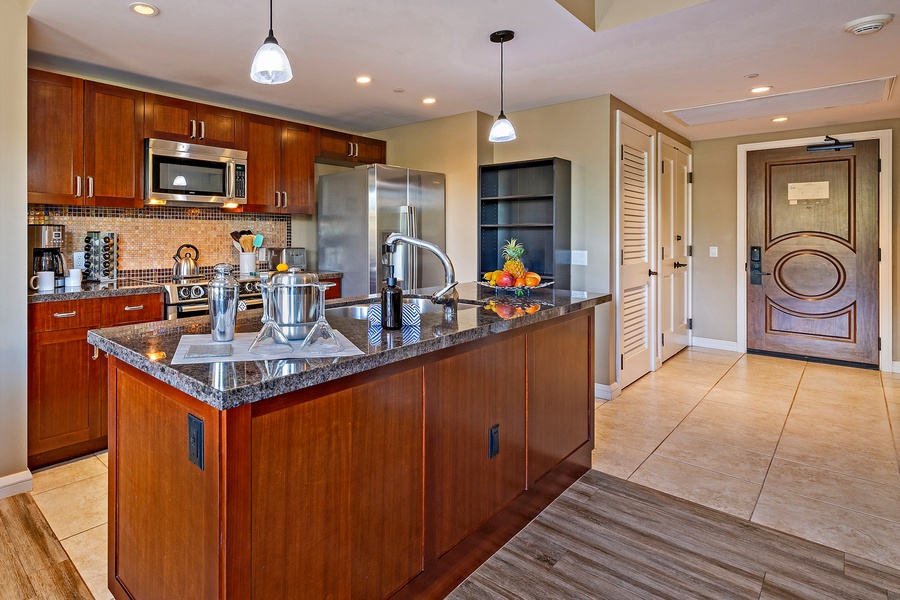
[399, 90]
[761, 89]
[429, 100]
[868, 25]
[779, 119]
[751, 75]
[144, 9]
[363, 79]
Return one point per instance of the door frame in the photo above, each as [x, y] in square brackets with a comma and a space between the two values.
[885, 235]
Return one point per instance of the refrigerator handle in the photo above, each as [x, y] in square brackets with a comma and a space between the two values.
[412, 231]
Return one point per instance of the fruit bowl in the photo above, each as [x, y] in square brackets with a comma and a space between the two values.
[518, 290]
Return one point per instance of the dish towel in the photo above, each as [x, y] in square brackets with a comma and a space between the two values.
[411, 329]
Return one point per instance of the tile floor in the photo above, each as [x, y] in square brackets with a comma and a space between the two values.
[804, 448]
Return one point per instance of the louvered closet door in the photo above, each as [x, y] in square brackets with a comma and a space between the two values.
[636, 293]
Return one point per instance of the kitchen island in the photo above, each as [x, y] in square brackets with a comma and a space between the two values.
[390, 474]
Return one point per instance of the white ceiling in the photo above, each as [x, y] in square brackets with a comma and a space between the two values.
[697, 55]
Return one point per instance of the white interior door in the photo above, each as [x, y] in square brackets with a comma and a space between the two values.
[673, 241]
[636, 293]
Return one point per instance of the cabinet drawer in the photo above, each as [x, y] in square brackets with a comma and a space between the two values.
[139, 308]
[67, 314]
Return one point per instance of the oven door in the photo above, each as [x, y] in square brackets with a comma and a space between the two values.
[178, 311]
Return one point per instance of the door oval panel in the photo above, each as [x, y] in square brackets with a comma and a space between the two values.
[809, 274]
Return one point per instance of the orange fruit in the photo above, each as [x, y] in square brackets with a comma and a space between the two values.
[532, 279]
[520, 281]
[533, 309]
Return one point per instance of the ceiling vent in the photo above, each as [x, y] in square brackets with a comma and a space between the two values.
[868, 25]
[831, 96]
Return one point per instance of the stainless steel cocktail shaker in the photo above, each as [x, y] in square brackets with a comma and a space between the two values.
[223, 303]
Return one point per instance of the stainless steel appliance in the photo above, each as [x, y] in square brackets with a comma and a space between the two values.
[194, 175]
[292, 257]
[186, 266]
[101, 256]
[294, 301]
[190, 297]
[358, 209]
[45, 251]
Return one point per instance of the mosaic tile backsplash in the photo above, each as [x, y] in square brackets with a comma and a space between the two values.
[149, 237]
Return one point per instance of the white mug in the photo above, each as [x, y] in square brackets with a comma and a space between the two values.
[247, 262]
[73, 279]
[44, 281]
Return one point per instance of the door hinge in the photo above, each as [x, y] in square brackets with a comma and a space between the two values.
[663, 338]
[691, 177]
[662, 167]
[690, 250]
[622, 256]
[621, 362]
[662, 253]
[690, 323]
[879, 255]
[879, 165]
[622, 152]
[879, 343]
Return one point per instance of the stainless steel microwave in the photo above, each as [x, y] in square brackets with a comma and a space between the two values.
[182, 174]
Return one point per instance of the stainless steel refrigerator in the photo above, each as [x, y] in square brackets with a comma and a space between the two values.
[356, 212]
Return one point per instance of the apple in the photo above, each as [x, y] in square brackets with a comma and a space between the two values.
[506, 280]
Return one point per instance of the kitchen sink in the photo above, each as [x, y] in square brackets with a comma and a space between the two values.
[361, 311]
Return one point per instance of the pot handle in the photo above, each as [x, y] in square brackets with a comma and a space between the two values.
[188, 246]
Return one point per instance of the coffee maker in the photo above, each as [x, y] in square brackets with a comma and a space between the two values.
[45, 250]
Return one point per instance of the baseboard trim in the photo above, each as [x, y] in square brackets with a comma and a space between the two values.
[895, 366]
[715, 344]
[607, 392]
[17, 483]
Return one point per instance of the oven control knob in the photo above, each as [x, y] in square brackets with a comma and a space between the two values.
[184, 293]
[197, 291]
[256, 287]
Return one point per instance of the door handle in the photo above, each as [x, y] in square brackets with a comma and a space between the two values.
[90, 193]
[651, 272]
[350, 149]
[202, 130]
[678, 265]
[277, 199]
[193, 128]
[284, 198]
[78, 186]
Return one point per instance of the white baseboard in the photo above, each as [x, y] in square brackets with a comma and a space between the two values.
[607, 392]
[16, 483]
[895, 367]
[715, 344]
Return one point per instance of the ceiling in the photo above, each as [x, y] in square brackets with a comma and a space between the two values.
[693, 56]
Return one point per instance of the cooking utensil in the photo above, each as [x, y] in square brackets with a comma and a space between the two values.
[258, 240]
[236, 240]
[292, 294]
[247, 243]
[186, 266]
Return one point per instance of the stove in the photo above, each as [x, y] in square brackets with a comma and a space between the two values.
[187, 297]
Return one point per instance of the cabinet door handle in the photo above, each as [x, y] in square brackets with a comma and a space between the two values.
[64, 315]
[202, 130]
[138, 307]
[277, 199]
[355, 150]
[90, 193]
[284, 195]
[96, 353]
[350, 149]
[78, 186]
[193, 128]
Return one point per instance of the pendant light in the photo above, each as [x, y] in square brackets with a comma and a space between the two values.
[502, 130]
[271, 64]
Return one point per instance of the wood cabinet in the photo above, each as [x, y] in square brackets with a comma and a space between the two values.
[281, 173]
[339, 147]
[85, 142]
[465, 399]
[334, 291]
[181, 120]
[531, 202]
[66, 379]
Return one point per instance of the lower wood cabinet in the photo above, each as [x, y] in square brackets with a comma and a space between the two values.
[66, 379]
[335, 290]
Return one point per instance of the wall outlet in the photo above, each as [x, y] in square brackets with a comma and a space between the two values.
[579, 257]
[713, 251]
[78, 260]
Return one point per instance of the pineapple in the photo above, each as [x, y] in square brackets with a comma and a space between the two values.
[512, 253]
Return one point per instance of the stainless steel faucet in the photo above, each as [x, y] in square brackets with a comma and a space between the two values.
[447, 295]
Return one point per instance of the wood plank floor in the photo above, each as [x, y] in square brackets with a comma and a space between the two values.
[609, 538]
[33, 564]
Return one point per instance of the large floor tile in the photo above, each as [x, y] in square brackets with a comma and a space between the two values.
[813, 425]
[761, 441]
[747, 417]
[630, 435]
[828, 377]
[88, 553]
[103, 457]
[657, 399]
[710, 355]
[75, 507]
[866, 459]
[775, 387]
[66, 473]
[822, 413]
[616, 460]
[771, 403]
[640, 416]
[835, 526]
[709, 488]
[721, 458]
[867, 401]
[686, 367]
[692, 389]
[861, 495]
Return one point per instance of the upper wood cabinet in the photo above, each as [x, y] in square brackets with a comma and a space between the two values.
[85, 144]
[280, 166]
[347, 148]
[185, 121]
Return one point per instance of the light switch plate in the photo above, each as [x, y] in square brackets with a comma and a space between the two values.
[579, 257]
[713, 251]
[78, 260]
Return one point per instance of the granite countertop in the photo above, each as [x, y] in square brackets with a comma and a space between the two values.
[150, 347]
[127, 286]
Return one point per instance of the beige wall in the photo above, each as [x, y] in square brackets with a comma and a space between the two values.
[13, 211]
[715, 224]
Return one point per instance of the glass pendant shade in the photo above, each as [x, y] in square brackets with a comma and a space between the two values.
[502, 130]
[271, 64]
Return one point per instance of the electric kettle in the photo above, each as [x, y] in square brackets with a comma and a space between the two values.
[186, 266]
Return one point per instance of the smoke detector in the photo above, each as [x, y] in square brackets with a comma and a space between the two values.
[868, 25]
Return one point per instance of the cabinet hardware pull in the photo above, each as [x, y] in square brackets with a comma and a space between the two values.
[277, 199]
[284, 195]
[96, 353]
[78, 186]
[90, 193]
[355, 150]
[64, 315]
[350, 152]
[193, 128]
[202, 130]
[138, 307]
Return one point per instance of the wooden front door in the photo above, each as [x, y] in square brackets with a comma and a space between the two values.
[813, 252]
